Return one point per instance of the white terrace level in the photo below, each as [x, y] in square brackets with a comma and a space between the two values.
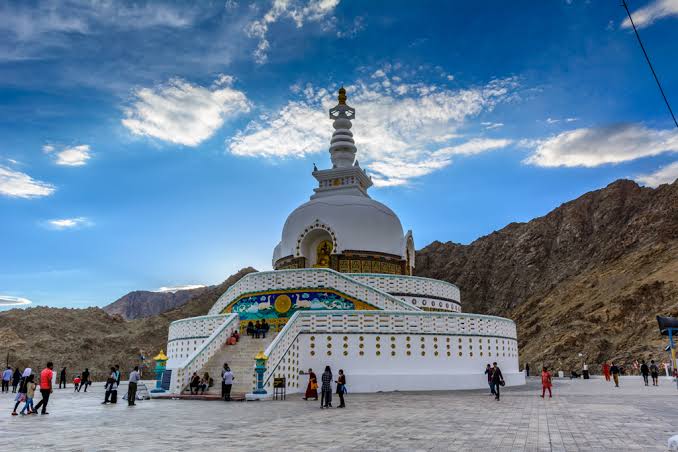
[342, 295]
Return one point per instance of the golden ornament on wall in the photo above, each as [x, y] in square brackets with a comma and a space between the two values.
[283, 304]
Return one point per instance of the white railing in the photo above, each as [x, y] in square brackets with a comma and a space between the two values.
[383, 322]
[412, 285]
[198, 359]
[194, 326]
[310, 278]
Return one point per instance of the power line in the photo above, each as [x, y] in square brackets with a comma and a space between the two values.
[649, 63]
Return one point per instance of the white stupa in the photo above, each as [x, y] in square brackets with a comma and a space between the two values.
[342, 294]
[343, 218]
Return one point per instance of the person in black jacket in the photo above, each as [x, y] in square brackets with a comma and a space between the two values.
[62, 378]
[645, 372]
[84, 380]
[341, 388]
[16, 379]
[497, 379]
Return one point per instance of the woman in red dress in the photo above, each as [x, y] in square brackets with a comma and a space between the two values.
[606, 371]
[545, 382]
[312, 388]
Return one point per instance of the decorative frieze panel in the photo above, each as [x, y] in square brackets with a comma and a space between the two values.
[317, 278]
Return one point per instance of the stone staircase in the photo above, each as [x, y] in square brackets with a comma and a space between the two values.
[240, 358]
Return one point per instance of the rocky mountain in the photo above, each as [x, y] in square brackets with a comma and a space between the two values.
[589, 277]
[79, 338]
[144, 303]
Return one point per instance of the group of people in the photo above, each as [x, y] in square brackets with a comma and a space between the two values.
[12, 377]
[26, 386]
[113, 382]
[326, 389]
[200, 385]
[612, 372]
[495, 379]
[258, 329]
[80, 381]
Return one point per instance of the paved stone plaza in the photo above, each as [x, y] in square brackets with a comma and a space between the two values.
[583, 415]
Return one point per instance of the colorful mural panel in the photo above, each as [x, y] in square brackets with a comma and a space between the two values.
[283, 305]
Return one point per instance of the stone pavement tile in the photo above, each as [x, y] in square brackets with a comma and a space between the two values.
[584, 415]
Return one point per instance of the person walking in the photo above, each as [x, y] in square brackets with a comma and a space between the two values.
[654, 372]
[85, 379]
[6, 378]
[545, 382]
[118, 374]
[46, 376]
[62, 378]
[527, 369]
[16, 379]
[30, 393]
[606, 371]
[645, 372]
[227, 381]
[111, 387]
[312, 387]
[341, 388]
[326, 389]
[488, 372]
[134, 378]
[614, 370]
[21, 395]
[223, 385]
[497, 379]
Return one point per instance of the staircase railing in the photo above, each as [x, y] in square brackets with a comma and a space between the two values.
[382, 322]
[198, 359]
[309, 278]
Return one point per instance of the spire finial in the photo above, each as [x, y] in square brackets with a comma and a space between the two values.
[342, 96]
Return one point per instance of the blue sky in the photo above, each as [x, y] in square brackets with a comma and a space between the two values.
[159, 144]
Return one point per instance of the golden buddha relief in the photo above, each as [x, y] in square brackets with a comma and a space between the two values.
[323, 254]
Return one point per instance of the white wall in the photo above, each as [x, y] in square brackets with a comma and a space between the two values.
[385, 371]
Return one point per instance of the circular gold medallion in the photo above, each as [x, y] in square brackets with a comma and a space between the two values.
[283, 304]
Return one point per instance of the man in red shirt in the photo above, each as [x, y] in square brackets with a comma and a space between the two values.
[45, 387]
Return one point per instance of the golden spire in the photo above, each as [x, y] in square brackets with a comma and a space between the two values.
[342, 96]
[160, 356]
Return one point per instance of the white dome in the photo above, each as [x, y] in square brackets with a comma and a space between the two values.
[357, 223]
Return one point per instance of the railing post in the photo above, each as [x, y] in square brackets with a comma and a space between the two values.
[260, 369]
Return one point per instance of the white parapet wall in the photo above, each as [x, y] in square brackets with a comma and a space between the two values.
[389, 351]
[424, 293]
[198, 358]
[187, 335]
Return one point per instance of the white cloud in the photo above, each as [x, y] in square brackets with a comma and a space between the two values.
[20, 185]
[591, 147]
[69, 156]
[182, 113]
[178, 288]
[397, 131]
[68, 223]
[492, 125]
[27, 23]
[653, 11]
[312, 11]
[8, 300]
[665, 175]
[552, 121]
[474, 146]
